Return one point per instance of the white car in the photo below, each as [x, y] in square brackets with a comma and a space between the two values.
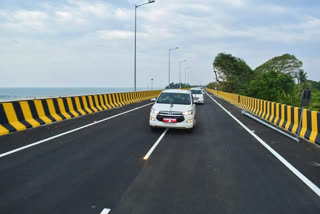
[197, 94]
[173, 108]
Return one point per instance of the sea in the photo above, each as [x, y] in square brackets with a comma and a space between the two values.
[12, 94]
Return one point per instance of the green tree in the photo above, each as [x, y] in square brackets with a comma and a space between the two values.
[285, 63]
[302, 76]
[272, 86]
[232, 73]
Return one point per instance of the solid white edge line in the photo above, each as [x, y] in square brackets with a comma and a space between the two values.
[303, 178]
[71, 131]
[155, 145]
[105, 211]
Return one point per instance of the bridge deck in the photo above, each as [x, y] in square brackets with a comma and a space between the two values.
[217, 168]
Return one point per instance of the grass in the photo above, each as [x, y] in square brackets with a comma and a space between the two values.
[315, 101]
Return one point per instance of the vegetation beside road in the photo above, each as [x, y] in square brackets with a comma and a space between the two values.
[280, 79]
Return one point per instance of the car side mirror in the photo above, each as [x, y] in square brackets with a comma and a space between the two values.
[153, 99]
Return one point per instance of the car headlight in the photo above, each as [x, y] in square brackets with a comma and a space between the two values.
[187, 112]
[154, 111]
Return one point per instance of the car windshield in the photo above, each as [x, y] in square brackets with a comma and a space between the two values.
[175, 98]
[196, 91]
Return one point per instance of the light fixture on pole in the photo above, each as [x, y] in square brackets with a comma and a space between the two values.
[171, 49]
[180, 71]
[135, 41]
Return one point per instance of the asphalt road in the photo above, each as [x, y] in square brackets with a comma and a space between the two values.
[217, 168]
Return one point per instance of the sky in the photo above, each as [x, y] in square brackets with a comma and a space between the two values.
[78, 43]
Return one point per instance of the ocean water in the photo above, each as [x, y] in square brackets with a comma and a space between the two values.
[10, 94]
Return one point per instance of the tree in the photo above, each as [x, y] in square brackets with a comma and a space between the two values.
[232, 73]
[302, 76]
[271, 85]
[287, 64]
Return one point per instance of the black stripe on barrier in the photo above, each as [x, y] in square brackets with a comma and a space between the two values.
[19, 113]
[94, 103]
[66, 107]
[75, 107]
[299, 116]
[99, 102]
[292, 119]
[318, 135]
[4, 121]
[285, 117]
[112, 100]
[108, 100]
[89, 104]
[34, 112]
[274, 112]
[57, 108]
[46, 110]
[280, 114]
[309, 126]
[82, 105]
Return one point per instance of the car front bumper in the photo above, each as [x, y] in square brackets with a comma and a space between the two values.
[181, 125]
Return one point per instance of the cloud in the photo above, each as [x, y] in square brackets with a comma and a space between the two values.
[115, 34]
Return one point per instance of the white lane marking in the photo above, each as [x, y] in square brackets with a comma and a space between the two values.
[71, 131]
[105, 211]
[155, 145]
[303, 178]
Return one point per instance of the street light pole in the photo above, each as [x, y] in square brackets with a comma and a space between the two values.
[169, 62]
[135, 41]
[180, 71]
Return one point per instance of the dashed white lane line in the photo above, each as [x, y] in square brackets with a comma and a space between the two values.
[105, 211]
[303, 178]
[155, 145]
[71, 131]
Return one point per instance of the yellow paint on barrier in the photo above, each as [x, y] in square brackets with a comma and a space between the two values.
[12, 117]
[264, 112]
[27, 114]
[111, 101]
[282, 115]
[62, 108]
[40, 111]
[103, 105]
[304, 123]
[91, 104]
[70, 106]
[288, 117]
[272, 112]
[78, 105]
[52, 110]
[296, 119]
[314, 124]
[107, 102]
[3, 130]
[85, 105]
[277, 114]
[95, 97]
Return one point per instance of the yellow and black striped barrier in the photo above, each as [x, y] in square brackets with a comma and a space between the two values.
[282, 115]
[21, 115]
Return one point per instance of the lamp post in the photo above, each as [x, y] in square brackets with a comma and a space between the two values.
[185, 74]
[135, 41]
[180, 70]
[171, 49]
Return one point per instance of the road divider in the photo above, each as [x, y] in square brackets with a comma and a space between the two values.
[281, 115]
[22, 115]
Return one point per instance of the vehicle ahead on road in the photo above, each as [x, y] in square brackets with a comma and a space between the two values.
[197, 94]
[174, 108]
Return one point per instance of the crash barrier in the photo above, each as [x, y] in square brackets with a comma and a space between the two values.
[21, 115]
[284, 116]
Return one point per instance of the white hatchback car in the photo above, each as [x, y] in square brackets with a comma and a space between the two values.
[197, 94]
[174, 108]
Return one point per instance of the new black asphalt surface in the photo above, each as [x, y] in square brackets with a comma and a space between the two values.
[216, 168]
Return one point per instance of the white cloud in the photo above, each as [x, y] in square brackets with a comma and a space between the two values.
[115, 34]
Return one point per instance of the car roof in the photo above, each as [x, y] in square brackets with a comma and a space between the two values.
[182, 91]
[195, 88]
